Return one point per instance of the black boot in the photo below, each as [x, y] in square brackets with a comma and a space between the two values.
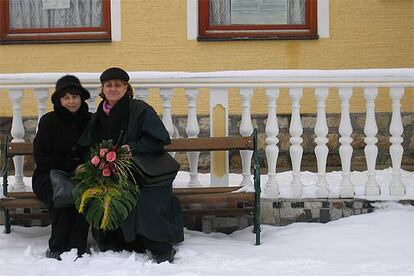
[54, 254]
[165, 257]
[83, 250]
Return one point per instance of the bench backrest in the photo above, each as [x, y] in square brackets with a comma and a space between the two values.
[15, 149]
[179, 144]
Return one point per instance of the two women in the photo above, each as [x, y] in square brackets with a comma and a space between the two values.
[58, 133]
[156, 222]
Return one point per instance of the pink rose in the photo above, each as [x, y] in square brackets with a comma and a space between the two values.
[95, 160]
[111, 156]
[102, 152]
[106, 172]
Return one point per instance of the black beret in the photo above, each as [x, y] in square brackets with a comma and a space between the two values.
[69, 82]
[114, 73]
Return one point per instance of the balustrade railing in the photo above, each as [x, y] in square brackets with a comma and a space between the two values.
[218, 83]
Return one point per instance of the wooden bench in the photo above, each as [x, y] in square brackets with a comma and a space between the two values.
[209, 200]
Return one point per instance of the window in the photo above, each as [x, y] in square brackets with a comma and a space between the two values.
[44, 21]
[257, 19]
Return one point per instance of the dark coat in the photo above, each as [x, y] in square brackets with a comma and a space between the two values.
[53, 145]
[157, 215]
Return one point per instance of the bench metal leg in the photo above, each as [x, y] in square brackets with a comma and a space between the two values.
[256, 227]
[257, 190]
[7, 222]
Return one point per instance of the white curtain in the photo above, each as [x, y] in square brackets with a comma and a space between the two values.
[220, 12]
[296, 9]
[30, 14]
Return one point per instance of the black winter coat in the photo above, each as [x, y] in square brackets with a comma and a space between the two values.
[157, 215]
[53, 145]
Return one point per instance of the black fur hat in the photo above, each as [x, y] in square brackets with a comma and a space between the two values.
[114, 73]
[69, 82]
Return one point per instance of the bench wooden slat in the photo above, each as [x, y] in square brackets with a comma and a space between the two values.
[180, 144]
[215, 198]
[176, 191]
[21, 195]
[13, 203]
[219, 211]
[210, 144]
[29, 199]
[26, 216]
[14, 149]
[204, 190]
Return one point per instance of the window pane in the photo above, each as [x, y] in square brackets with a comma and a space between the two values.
[257, 12]
[46, 14]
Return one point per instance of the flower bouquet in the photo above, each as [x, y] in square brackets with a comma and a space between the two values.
[106, 192]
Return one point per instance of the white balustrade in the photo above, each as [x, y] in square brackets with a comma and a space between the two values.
[396, 150]
[272, 150]
[141, 94]
[296, 149]
[94, 92]
[321, 130]
[371, 150]
[345, 150]
[42, 95]
[218, 83]
[166, 95]
[192, 131]
[246, 129]
[17, 132]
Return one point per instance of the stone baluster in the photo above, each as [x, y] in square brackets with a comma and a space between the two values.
[371, 150]
[345, 150]
[396, 150]
[296, 140]
[17, 132]
[246, 129]
[141, 94]
[166, 95]
[41, 94]
[192, 131]
[272, 150]
[94, 92]
[321, 131]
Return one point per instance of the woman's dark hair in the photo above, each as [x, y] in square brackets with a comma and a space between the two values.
[129, 91]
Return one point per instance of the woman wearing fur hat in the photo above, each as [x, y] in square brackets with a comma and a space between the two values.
[58, 133]
[156, 222]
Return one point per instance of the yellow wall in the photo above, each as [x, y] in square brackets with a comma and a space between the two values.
[363, 34]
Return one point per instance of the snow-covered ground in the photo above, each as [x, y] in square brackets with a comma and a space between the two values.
[378, 243]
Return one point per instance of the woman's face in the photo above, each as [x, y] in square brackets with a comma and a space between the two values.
[114, 90]
[71, 102]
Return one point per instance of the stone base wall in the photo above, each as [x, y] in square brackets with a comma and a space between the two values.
[277, 212]
[280, 212]
[308, 122]
[285, 211]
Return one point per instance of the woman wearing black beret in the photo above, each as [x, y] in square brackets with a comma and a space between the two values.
[156, 222]
[58, 133]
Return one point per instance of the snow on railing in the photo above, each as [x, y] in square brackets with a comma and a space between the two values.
[218, 84]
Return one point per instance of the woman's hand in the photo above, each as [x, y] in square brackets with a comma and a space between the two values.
[126, 146]
[78, 168]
